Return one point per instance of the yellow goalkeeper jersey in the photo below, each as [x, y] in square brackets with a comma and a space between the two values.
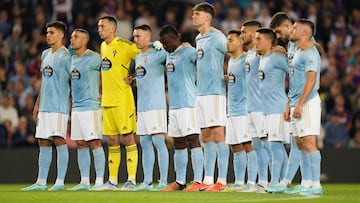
[116, 57]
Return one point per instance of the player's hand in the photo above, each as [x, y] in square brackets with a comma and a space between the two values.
[286, 113]
[100, 97]
[156, 45]
[186, 44]
[297, 112]
[129, 80]
[279, 49]
[226, 78]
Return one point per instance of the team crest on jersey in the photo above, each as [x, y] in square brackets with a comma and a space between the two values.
[106, 64]
[75, 74]
[247, 66]
[261, 75]
[48, 71]
[170, 67]
[114, 52]
[200, 53]
[231, 79]
[140, 71]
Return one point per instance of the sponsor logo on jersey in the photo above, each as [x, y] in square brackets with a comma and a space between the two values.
[170, 67]
[75, 74]
[140, 71]
[106, 64]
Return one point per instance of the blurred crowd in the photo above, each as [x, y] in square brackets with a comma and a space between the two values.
[22, 39]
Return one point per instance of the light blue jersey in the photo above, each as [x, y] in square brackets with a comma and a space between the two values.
[237, 102]
[181, 75]
[211, 49]
[55, 84]
[272, 71]
[150, 80]
[252, 61]
[303, 62]
[85, 79]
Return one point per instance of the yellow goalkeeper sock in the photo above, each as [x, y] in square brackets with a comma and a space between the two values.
[132, 161]
[114, 163]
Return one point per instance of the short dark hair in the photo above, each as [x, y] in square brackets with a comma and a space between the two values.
[269, 33]
[169, 29]
[143, 27]
[236, 32]
[308, 23]
[206, 7]
[252, 23]
[58, 25]
[278, 19]
[111, 19]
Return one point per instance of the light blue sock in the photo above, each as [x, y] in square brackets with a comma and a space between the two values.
[197, 161]
[180, 164]
[262, 159]
[305, 165]
[266, 145]
[209, 158]
[148, 158]
[251, 166]
[84, 162]
[284, 163]
[163, 157]
[315, 162]
[99, 162]
[277, 160]
[45, 157]
[62, 161]
[293, 161]
[239, 159]
[222, 159]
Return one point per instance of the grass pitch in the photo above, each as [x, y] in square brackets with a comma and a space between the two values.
[344, 193]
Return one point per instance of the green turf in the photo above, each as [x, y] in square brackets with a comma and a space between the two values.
[344, 193]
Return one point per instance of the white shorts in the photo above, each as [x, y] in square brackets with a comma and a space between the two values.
[288, 135]
[183, 122]
[86, 125]
[310, 121]
[211, 110]
[151, 122]
[237, 130]
[51, 124]
[256, 124]
[275, 126]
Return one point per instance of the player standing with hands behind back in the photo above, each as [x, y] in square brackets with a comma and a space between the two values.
[86, 109]
[211, 99]
[52, 107]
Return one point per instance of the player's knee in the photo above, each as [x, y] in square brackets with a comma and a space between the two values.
[95, 144]
[59, 141]
[193, 140]
[81, 144]
[180, 143]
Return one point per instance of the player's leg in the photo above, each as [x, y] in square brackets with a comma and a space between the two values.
[257, 132]
[59, 122]
[275, 125]
[99, 162]
[83, 154]
[45, 157]
[126, 125]
[292, 163]
[251, 164]
[180, 164]
[163, 159]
